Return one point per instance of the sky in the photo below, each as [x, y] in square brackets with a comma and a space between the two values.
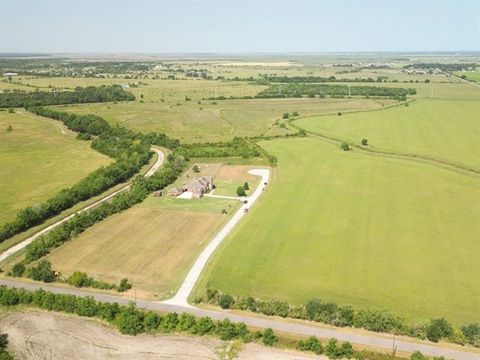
[236, 26]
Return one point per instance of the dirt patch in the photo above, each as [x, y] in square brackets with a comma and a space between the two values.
[48, 335]
[151, 247]
[235, 173]
[38, 335]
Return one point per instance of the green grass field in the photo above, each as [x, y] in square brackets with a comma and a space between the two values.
[357, 229]
[37, 160]
[443, 129]
[471, 75]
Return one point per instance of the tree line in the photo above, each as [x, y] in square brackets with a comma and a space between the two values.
[347, 316]
[130, 320]
[138, 191]
[130, 149]
[80, 95]
[320, 90]
[444, 67]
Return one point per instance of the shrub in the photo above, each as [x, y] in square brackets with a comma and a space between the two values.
[311, 344]
[295, 113]
[344, 146]
[225, 301]
[286, 115]
[439, 328]
[417, 355]
[124, 285]
[246, 186]
[79, 279]
[241, 191]
[196, 168]
[17, 270]
[269, 338]
[204, 326]
[472, 333]
[364, 142]
[9, 128]
[130, 321]
[42, 272]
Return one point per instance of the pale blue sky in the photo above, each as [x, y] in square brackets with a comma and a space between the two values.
[149, 26]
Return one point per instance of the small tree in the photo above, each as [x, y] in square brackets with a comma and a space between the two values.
[286, 115]
[11, 111]
[339, 113]
[269, 338]
[417, 355]
[246, 187]
[295, 113]
[196, 168]
[241, 191]
[9, 128]
[364, 142]
[124, 285]
[344, 146]
[17, 270]
[225, 301]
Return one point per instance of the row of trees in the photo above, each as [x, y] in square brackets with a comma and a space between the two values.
[139, 190]
[451, 67]
[238, 147]
[313, 90]
[90, 94]
[130, 149]
[333, 314]
[132, 321]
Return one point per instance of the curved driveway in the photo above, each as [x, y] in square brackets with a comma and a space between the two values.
[186, 288]
[27, 241]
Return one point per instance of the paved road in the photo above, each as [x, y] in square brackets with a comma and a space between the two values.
[29, 240]
[186, 288]
[263, 322]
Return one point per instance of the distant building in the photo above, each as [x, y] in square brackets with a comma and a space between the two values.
[10, 74]
[125, 86]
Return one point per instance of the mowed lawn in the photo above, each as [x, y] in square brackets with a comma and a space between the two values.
[152, 244]
[356, 229]
[443, 129]
[37, 160]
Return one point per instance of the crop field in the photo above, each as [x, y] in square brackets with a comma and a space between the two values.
[471, 75]
[154, 243]
[37, 160]
[167, 111]
[443, 129]
[357, 229]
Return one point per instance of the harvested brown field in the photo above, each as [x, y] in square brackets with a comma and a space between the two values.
[47, 335]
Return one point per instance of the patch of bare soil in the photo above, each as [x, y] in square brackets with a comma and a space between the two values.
[48, 335]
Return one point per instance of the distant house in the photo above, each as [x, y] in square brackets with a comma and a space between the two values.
[199, 186]
[10, 74]
[125, 86]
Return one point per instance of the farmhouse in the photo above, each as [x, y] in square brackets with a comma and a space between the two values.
[199, 186]
[174, 192]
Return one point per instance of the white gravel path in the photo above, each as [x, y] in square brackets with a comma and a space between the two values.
[186, 288]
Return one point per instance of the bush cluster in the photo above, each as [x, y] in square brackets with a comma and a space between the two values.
[90, 94]
[81, 279]
[342, 316]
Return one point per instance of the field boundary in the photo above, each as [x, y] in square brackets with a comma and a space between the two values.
[461, 169]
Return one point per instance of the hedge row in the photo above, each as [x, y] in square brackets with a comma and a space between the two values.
[132, 321]
[130, 149]
[139, 190]
[90, 94]
[343, 316]
[236, 147]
